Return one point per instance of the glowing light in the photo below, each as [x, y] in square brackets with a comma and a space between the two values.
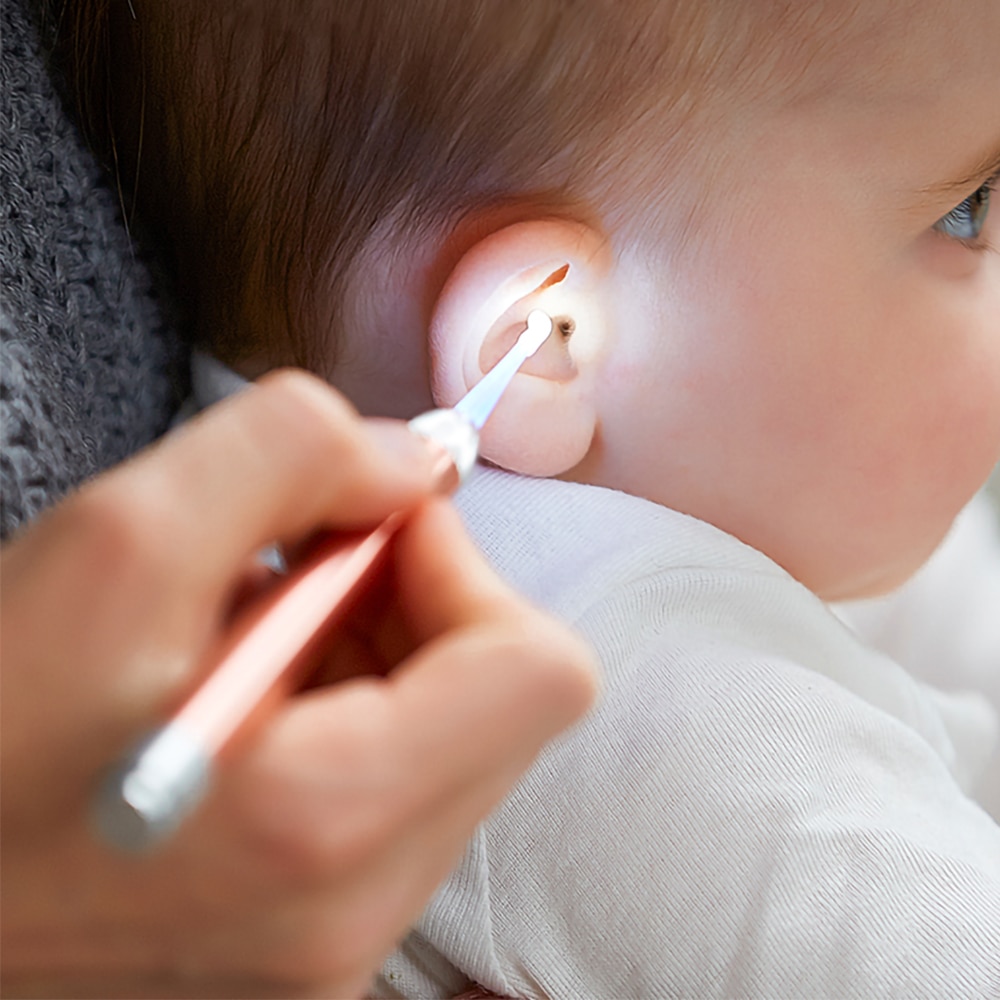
[480, 401]
[539, 328]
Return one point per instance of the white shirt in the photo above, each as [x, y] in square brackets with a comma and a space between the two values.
[761, 806]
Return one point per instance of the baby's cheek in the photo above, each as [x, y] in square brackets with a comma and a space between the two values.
[954, 390]
[920, 426]
[974, 448]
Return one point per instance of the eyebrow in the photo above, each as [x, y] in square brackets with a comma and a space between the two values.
[986, 168]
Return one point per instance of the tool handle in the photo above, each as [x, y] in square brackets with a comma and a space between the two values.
[258, 660]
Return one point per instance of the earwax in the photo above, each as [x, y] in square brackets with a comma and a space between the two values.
[546, 422]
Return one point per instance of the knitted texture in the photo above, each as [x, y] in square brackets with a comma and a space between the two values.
[90, 369]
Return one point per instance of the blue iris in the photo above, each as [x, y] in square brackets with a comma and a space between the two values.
[965, 221]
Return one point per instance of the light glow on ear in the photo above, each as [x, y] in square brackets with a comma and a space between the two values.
[530, 282]
[545, 422]
[479, 402]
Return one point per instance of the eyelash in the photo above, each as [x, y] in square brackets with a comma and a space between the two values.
[971, 212]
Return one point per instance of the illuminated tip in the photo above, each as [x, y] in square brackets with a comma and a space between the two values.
[539, 328]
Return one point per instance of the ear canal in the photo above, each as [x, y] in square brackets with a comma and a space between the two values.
[565, 326]
[545, 423]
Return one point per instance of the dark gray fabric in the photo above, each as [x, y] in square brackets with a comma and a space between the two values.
[90, 369]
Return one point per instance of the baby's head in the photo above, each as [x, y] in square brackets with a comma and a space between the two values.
[761, 222]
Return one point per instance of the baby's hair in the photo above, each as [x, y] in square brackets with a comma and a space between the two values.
[272, 144]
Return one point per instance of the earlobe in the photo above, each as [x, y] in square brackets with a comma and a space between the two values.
[547, 421]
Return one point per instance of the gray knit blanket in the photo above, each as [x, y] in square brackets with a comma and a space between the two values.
[90, 367]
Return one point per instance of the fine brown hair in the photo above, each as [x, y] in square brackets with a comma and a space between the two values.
[267, 142]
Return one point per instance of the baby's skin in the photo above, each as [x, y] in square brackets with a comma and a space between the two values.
[798, 342]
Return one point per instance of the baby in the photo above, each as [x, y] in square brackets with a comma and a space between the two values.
[763, 230]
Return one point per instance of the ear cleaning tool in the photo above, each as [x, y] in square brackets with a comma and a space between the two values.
[263, 656]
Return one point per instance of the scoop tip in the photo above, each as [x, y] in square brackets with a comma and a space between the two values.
[538, 329]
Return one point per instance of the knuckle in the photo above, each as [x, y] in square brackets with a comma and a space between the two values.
[361, 824]
[314, 412]
[278, 828]
[312, 823]
[295, 384]
[310, 424]
[123, 532]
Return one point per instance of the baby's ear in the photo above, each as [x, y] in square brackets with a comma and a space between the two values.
[547, 420]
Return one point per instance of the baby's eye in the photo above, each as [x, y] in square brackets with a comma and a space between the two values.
[965, 221]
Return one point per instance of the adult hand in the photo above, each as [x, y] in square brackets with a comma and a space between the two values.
[326, 831]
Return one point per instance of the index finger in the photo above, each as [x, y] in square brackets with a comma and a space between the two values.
[282, 458]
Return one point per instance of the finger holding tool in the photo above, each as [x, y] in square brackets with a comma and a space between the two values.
[263, 656]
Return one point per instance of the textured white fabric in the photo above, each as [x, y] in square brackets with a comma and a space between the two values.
[944, 625]
[761, 806]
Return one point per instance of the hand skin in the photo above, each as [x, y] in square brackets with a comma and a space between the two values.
[329, 828]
